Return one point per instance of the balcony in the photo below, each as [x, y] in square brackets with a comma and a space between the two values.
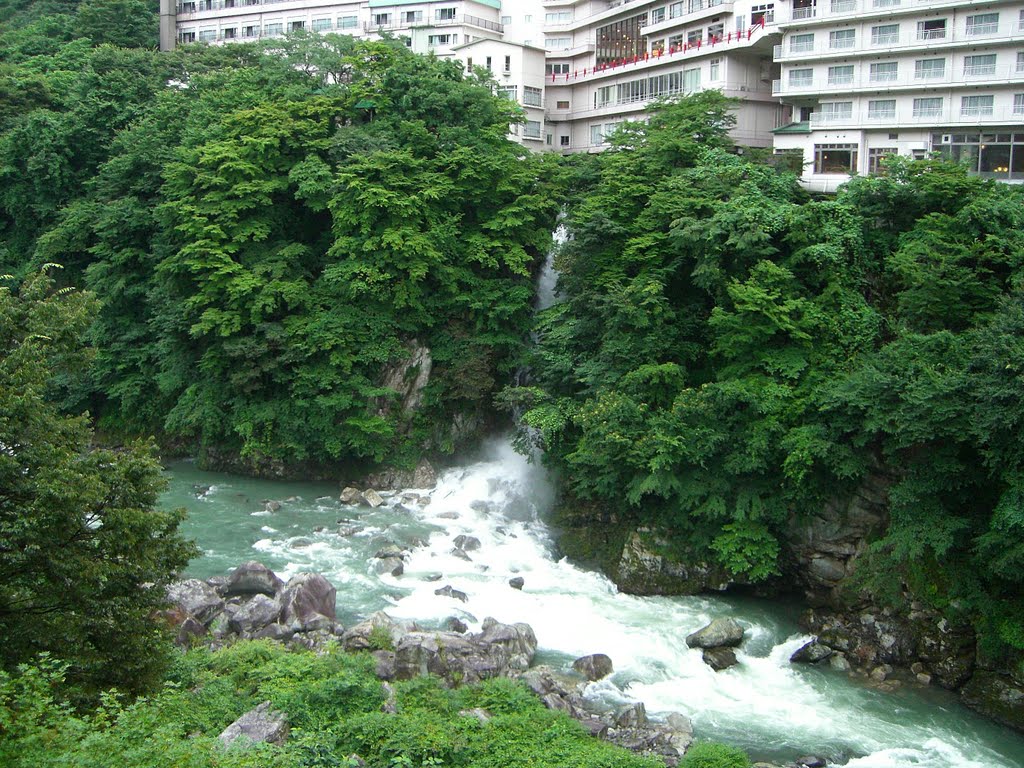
[949, 114]
[907, 78]
[457, 21]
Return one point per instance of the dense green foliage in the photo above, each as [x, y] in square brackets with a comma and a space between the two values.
[79, 537]
[334, 708]
[271, 231]
[730, 354]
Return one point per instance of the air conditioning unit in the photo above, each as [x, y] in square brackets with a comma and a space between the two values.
[947, 138]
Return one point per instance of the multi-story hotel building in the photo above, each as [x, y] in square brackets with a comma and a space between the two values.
[839, 83]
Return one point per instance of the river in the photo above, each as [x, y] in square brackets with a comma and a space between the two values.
[773, 709]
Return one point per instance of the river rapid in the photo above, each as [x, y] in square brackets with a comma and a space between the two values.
[773, 709]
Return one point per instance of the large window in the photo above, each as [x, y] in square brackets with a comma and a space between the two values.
[835, 158]
[882, 109]
[976, 106]
[841, 74]
[658, 15]
[621, 40]
[1020, 61]
[930, 106]
[834, 111]
[444, 14]
[532, 129]
[801, 43]
[412, 17]
[983, 24]
[884, 72]
[1018, 103]
[929, 69]
[932, 29]
[843, 6]
[558, 43]
[442, 39]
[875, 155]
[348, 22]
[714, 70]
[558, 17]
[992, 155]
[561, 68]
[510, 92]
[885, 34]
[273, 29]
[321, 25]
[801, 78]
[691, 80]
[978, 66]
[532, 96]
[209, 35]
[381, 19]
[842, 38]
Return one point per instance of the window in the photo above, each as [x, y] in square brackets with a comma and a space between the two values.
[532, 129]
[532, 96]
[188, 8]
[975, 66]
[883, 72]
[273, 29]
[875, 155]
[882, 109]
[563, 141]
[801, 78]
[657, 47]
[621, 40]
[560, 17]
[835, 158]
[715, 31]
[885, 34]
[694, 36]
[187, 36]
[561, 105]
[884, 3]
[714, 69]
[596, 135]
[510, 92]
[508, 63]
[976, 106]
[469, 63]
[675, 10]
[801, 43]
[804, 9]
[442, 39]
[928, 107]
[547, 139]
[933, 29]
[296, 26]
[840, 75]
[561, 68]
[444, 14]
[348, 22]
[842, 38]
[1020, 61]
[929, 69]
[250, 31]
[488, 60]
[412, 17]
[209, 35]
[833, 111]
[658, 15]
[527, 19]
[983, 24]
[506, 19]
[229, 34]
[557, 43]
[381, 19]
[319, 25]
[691, 80]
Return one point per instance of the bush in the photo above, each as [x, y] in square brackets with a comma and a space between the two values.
[709, 754]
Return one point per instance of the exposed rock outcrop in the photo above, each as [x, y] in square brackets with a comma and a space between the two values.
[594, 667]
[646, 568]
[719, 633]
[257, 725]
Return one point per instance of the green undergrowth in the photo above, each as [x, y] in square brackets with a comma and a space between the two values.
[334, 706]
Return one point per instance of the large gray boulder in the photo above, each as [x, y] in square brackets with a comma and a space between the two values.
[373, 633]
[252, 578]
[254, 614]
[196, 598]
[594, 667]
[466, 543]
[257, 725]
[720, 632]
[308, 599]
[811, 653]
[424, 476]
[719, 658]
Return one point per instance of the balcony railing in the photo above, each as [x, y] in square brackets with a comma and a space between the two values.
[906, 78]
[907, 39]
[950, 114]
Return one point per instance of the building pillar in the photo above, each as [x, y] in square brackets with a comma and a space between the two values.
[168, 24]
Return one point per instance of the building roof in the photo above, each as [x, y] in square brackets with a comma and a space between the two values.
[492, 41]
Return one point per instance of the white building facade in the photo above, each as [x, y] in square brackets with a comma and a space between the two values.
[839, 84]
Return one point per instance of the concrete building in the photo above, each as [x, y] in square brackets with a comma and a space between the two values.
[862, 79]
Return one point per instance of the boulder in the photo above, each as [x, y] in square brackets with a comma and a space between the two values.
[308, 599]
[632, 716]
[257, 725]
[516, 582]
[466, 543]
[256, 613]
[196, 598]
[389, 550]
[188, 631]
[271, 506]
[811, 761]
[252, 578]
[1001, 697]
[349, 530]
[349, 495]
[480, 714]
[372, 498]
[720, 632]
[646, 568]
[594, 667]
[455, 624]
[424, 476]
[719, 658]
[279, 632]
[367, 635]
[461, 554]
[392, 565]
[811, 653]
[384, 664]
[448, 591]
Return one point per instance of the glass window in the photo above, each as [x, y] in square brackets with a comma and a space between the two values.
[229, 34]
[187, 36]
[694, 36]
[558, 17]
[801, 78]
[561, 105]
[804, 9]
[875, 155]
[658, 15]
[801, 43]
[714, 69]
[843, 6]
[319, 25]
[932, 29]
[835, 158]
[840, 75]
[984, 64]
[621, 40]
[983, 24]
[715, 31]
[561, 68]
[842, 38]
[250, 31]
[1018, 103]
[675, 10]
[881, 109]
[381, 19]
[558, 43]
[884, 72]
[510, 92]
[296, 26]
[1020, 61]
[691, 80]
[532, 96]
[976, 106]
[348, 22]
[884, 3]
[506, 19]
[885, 34]
[532, 129]
[508, 63]
[563, 141]
[929, 69]
[273, 29]
[596, 135]
[412, 17]
[928, 107]
[836, 110]
[209, 35]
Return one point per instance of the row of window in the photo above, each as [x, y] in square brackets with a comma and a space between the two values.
[488, 64]
[975, 65]
[927, 106]
[532, 97]
[642, 89]
[889, 34]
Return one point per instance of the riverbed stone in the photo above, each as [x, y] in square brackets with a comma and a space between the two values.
[595, 666]
[466, 543]
[811, 761]
[271, 506]
[252, 578]
[261, 724]
[517, 582]
[392, 565]
[367, 634]
[276, 631]
[308, 599]
[811, 653]
[424, 476]
[461, 554]
[719, 658]
[1000, 697]
[448, 591]
[720, 632]
[371, 498]
[389, 550]
[196, 598]
[256, 613]
[631, 716]
[349, 495]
